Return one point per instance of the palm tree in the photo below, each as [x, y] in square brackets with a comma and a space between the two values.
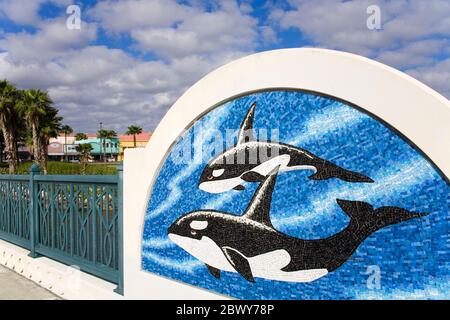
[84, 150]
[66, 129]
[134, 130]
[104, 135]
[2, 146]
[101, 134]
[81, 136]
[10, 121]
[50, 126]
[111, 135]
[34, 104]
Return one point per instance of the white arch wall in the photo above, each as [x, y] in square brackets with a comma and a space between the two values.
[418, 112]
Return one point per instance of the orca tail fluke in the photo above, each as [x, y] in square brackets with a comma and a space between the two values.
[330, 170]
[367, 220]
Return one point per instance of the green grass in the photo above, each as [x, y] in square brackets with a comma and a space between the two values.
[55, 167]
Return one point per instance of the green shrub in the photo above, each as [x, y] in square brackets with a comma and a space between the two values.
[55, 167]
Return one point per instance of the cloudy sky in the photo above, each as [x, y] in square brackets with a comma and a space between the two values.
[131, 59]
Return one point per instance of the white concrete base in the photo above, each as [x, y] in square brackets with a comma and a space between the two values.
[65, 281]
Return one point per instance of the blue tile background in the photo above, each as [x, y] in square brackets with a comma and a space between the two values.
[413, 256]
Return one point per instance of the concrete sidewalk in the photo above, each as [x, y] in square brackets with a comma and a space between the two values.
[15, 287]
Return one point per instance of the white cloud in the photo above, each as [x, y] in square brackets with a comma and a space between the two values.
[127, 15]
[51, 40]
[414, 35]
[343, 24]
[96, 83]
[92, 83]
[173, 30]
[25, 12]
[421, 52]
[268, 35]
[437, 76]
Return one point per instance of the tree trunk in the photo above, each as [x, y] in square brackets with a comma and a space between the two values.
[36, 144]
[1, 149]
[1, 152]
[16, 147]
[104, 150]
[11, 152]
[43, 157]
[84, 162]
[134, 140]
[65, 146]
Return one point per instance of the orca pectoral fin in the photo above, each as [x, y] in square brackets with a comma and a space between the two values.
[239, 263]
[252, 176]
[239, 187]
[215, 272]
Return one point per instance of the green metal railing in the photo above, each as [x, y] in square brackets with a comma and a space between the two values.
[76, 220]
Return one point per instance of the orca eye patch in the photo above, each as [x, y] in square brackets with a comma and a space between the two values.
[218, 172]
[199, 225]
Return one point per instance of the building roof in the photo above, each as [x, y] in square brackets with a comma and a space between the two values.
[62, 139]
[144, 136]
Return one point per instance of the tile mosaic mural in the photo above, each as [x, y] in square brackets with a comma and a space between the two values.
[293, 195]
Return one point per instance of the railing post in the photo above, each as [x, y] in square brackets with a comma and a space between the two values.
[34, 170]
[119, 288]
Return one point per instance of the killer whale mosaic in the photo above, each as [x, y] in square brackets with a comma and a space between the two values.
[233, 243]
[371, 200]
[225, 172]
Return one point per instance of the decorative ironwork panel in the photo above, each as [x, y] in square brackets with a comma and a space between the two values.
[79, 220]
[74, 219]
[14, 210]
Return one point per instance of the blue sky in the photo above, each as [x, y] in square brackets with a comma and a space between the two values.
[131, 59]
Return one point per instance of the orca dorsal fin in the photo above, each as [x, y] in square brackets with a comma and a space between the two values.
[259, 208]
[246, 129]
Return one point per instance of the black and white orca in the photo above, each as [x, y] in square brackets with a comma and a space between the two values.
[251, 246]
[252, 160]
